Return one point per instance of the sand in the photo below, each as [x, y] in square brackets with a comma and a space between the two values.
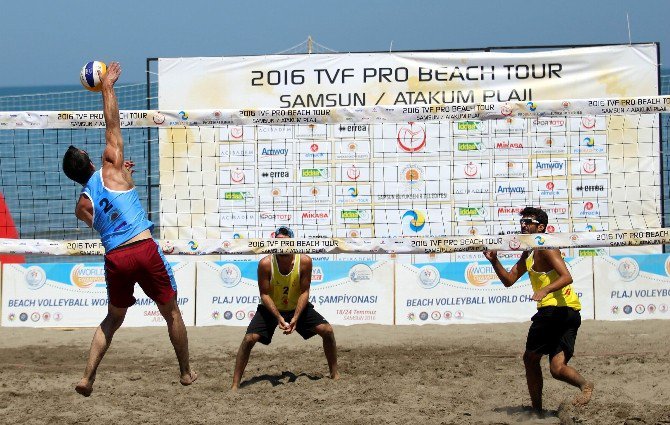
[458, 374]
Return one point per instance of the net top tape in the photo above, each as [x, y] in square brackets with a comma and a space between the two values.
[362, 114]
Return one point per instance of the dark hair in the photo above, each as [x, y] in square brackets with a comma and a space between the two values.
[77, 165]
[538, 213]
[283, 230]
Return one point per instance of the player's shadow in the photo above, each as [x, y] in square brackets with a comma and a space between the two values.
[285, 377]
[526, 412]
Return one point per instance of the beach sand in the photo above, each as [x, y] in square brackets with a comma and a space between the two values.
[457, 374]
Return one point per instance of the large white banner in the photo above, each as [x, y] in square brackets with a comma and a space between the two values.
[75, 295]
[632, 287]
[344, 292]
[390, 178]
[450, 293]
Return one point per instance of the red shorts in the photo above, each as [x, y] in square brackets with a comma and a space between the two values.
[142, 262]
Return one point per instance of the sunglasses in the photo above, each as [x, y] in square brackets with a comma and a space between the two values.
[528, 221]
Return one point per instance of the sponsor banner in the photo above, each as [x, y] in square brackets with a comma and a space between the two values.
[588, 166]
[476, 169]
[246, 118]
[275, 175]
[351, 131]
[364, 245]
[273, 132]
[407, 220]
[276, 194]
[75, 295]
[352, 172]
[512, 167]
[510, 189]
[471, 147]
[237, 218]
[588, 144]
[555, 188]
[510, 145]
[352, 149]
[314, 150]
[589, 188]
[543, 167]
[632, 287]
[316, 194]
[237, 152]
[548, 124]
[276, 151]
[549, 144]
[236, 175]
[353, 194]
[408, 181]
[470, 292]
[241, 196]
[232, 133]
[475, 191]
[344, 292]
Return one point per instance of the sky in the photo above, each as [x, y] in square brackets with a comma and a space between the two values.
[46, 43]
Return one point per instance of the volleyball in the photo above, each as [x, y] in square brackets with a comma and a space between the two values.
[89, 75]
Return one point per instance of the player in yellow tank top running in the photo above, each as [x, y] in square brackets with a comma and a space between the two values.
[554, 327]
[284, 281]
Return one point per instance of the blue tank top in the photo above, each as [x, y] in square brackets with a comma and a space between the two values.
[117, 214]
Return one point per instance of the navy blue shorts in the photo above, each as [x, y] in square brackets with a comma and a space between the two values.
[265, 324]
[554, 329]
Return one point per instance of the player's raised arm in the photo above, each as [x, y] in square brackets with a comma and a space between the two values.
[508, 278]
[113, 153]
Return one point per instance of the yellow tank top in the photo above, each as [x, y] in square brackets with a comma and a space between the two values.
[285, 289]
[564, 297]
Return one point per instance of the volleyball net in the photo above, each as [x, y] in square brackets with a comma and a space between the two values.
[422, 153]
[375, 180]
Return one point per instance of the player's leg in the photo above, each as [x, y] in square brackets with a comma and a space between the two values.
[101, 341]
[260, 329]
[531, 362]
[242, 357]
[179, 338]
[325, 331]
[563, 372]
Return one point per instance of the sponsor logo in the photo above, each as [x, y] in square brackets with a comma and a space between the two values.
[159, 118]
[85, 277]
[227, 314]
[471, 211]
[353, 173]
[458, 314]
[514, 243]
[506, 144]
[479, 275]
[505, 110]
[35, 277]
[423, 315]
[411, 317]
[23, 317]
[639, 309]
[183, 115]
[193, 245]
[447, 315]
[35, 317]
[651, 308]
[230, 275]
[539, 240]
[541, 166]
[417, 220]
[429, 277]
[236, 132]
[510, 189]
[412, 174]
[353, 191]
[317, 274]
[532, 106]
[412, 138]
[628, 269]
[470, 146]
[251, 314]
[240, 315]
[235, 196]
[237, 176]
[436, 315]
[274, 152]
[353, 214]
[315, 173]
[360, 273]
[471, 169]
[588, 122]
[315, 215]
[215, 315]
[11, 317]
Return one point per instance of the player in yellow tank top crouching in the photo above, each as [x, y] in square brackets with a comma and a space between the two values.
[554, 327]
[284, 281]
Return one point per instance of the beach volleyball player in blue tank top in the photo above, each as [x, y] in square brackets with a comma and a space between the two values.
[109, 204]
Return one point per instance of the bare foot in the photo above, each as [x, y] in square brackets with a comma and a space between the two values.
[234, 388]
[335, 376]
[583, 398]
[84, 387]
[189, 378]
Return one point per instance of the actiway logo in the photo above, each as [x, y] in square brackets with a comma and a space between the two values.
[417, 220]
[274, 152]
[412, 138]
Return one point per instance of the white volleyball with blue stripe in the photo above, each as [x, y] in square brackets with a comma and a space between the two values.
[89, 75]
